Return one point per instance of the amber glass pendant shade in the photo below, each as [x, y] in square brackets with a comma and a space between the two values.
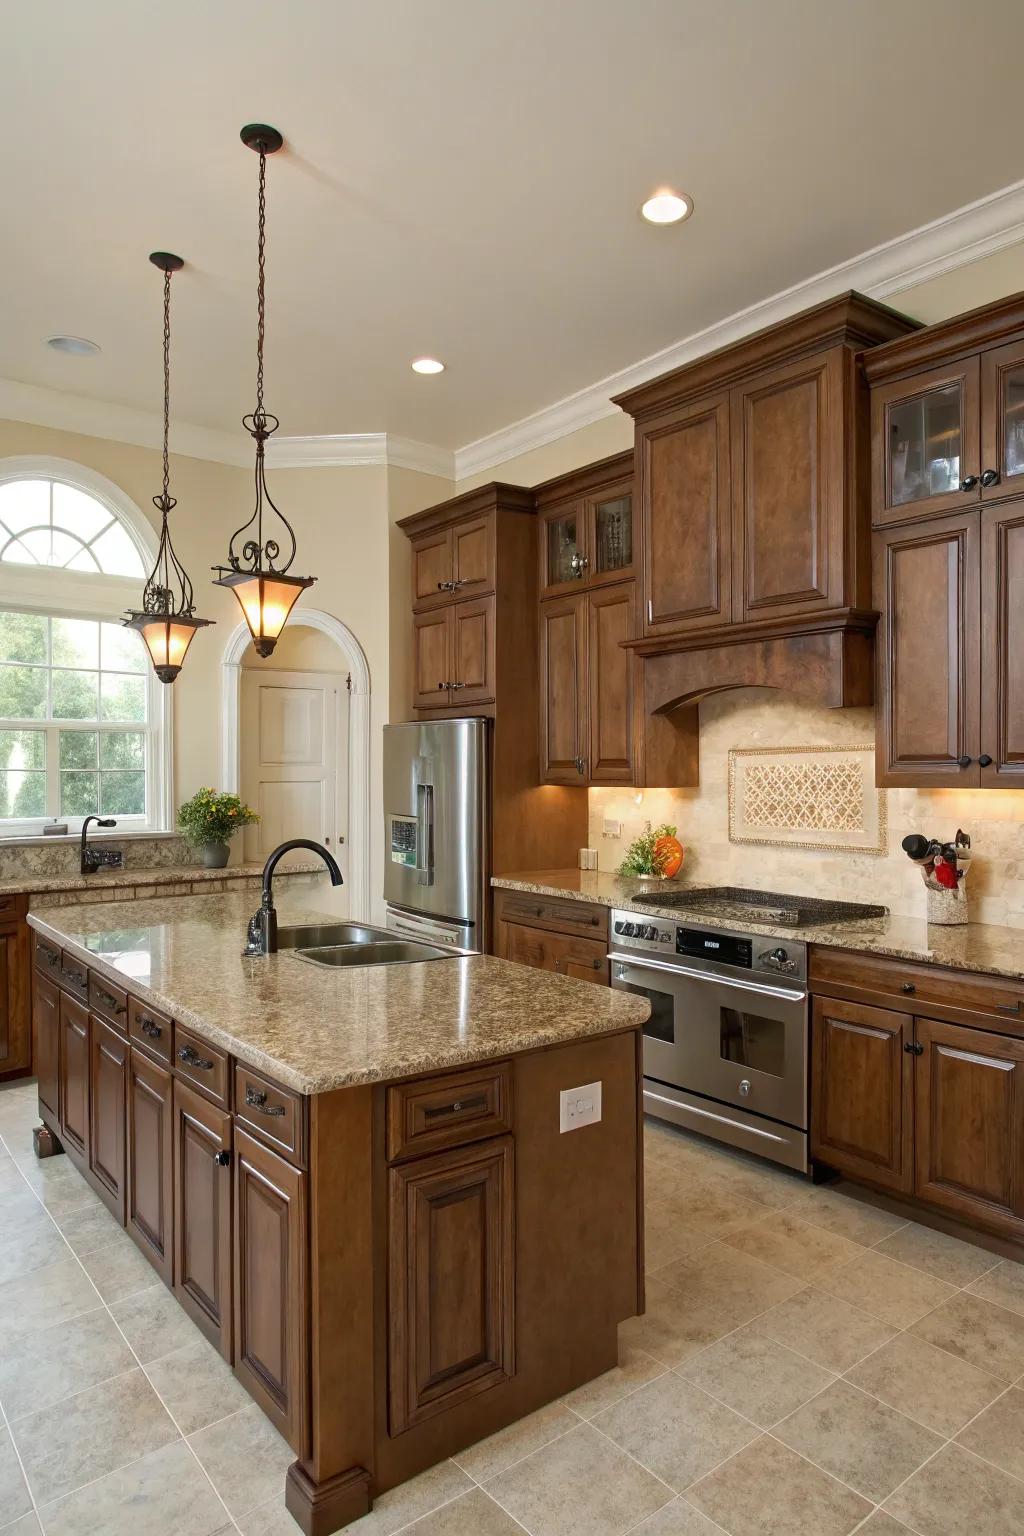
[266, 599]
[166, 639]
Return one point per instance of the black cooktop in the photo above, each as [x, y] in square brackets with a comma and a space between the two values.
[737, 903]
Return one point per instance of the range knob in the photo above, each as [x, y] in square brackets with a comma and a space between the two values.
[620, 927]
[780, 955]
[629, 929]
[650, 932]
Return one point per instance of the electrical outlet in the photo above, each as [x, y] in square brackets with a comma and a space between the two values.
[612, 828]
[579, 1106]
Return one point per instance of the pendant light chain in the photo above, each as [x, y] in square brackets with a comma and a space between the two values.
[261, 288]
[167, 390]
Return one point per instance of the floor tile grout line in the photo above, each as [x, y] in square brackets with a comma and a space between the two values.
[462, 1493]
[24, 1474]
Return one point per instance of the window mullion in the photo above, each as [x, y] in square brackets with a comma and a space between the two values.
[53, 771]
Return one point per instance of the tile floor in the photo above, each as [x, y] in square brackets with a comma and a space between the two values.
[808, 1366]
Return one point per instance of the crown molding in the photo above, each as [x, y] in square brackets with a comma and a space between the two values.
[334, 450]
[956, 240]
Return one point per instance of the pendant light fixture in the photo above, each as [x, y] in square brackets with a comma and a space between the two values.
[255, 571]
[167, 620]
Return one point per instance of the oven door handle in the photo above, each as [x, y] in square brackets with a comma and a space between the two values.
[763, 989]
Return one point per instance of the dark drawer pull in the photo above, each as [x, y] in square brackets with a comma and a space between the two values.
[110, 1001]
[76, 978]
[51, 956]
[151, 1028]
[258, 1100]
[909, 988]
[478, 1101]
[192, 1058]
[1014, 1011]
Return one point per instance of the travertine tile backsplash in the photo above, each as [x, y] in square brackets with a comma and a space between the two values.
[758, 717]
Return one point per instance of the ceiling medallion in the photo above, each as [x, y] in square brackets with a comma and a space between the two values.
[255, 571]
[167, 620]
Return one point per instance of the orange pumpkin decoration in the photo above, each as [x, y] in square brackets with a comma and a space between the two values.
[668, 856]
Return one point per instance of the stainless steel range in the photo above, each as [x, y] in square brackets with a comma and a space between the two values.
[725, 1048]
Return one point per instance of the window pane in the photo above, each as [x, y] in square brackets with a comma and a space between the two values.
[122, 749]
[24, 504]
[22, 749]
[78, 794]
[22, 637]
[78, 512]
[123, 698]
[78, 749]
[85, 560]
[22, 794]
[74, 695]
[117, 554]
[63, 547]
[123, 794]
[123, 649]
[16, 553]
[22, 693]
[76, 643]
[36, 543]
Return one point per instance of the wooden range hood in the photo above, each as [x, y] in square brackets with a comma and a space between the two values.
[752, 468]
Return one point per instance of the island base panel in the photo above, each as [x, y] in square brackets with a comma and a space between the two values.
[320, 1508]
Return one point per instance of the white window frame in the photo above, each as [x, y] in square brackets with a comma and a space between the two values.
[62, 594]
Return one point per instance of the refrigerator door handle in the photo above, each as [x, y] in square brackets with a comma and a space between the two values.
[425, 833]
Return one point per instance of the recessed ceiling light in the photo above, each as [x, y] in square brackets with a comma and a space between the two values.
[427, 365]
[667, 207]
[76, 346]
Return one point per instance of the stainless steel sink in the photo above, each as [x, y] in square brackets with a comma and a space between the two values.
[376, 951]
[324, 935]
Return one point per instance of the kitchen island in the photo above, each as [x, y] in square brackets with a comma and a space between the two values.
[354, 1180]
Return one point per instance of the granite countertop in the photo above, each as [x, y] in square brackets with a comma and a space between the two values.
[981, 947]
[316, 1028]
[165, 874]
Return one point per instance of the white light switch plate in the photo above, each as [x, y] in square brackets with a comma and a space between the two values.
[612, 828]
[579, 1106]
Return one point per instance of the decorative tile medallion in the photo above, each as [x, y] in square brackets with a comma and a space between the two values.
[807, 797]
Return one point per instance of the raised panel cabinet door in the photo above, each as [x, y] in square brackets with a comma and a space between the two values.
[472, 650]
[788, 489]
[610, 620]
[1002, 645]
[108, 1088]
[970, 1123]
[74, 1075]
[431, 659]
[270, 1284]
[563, 689]
[451, 1268]
[925, 443]
[861, 1095]
[927, 587]
[1002, 421]
[46, 1048]
[15, 1001]
[202, 1214]
[685, 508]
[563, 955]
[432, 568]
[473, 562]
[150, 1191]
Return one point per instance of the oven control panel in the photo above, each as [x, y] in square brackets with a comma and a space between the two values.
[734, 951]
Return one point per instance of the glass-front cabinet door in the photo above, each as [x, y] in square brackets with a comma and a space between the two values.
[612, 541]
[1002, 421]
[565, 554]
[925, 434]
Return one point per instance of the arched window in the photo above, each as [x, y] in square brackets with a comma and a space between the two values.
[83, 728]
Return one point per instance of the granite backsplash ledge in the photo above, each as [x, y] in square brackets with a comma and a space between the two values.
[30, 859]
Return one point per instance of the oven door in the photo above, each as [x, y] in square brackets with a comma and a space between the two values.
[740, 1042]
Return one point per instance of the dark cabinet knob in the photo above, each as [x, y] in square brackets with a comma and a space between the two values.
[913, 1049]
[963, 762]
[985, 761]
[990, 477]
[968, 482]
[192, 1058]
[909, 988]
[223, 1158]
[151, 1029]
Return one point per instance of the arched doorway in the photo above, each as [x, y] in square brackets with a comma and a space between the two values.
[358, 776]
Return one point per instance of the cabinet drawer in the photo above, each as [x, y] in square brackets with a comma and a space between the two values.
[74, 976]
[108, 1000]
[46, 955]
[150, 1028]
[202, 1064]
[550, 912]
[10, 906]
[919, 988]
[439, 1112]
[274, 1114]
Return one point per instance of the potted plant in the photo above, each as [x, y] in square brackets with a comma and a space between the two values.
[655, 855]
[209, 819]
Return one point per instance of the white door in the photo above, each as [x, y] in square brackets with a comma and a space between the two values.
[294, 754]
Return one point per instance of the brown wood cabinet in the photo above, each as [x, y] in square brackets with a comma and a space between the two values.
[46, 1043]
[74, 1076]
[948, 505]
[567, 937]
[451, 1277]
[150, 1191]
[453, 655]
[588, 700]
[458, 560]
[270, 1283]
[15, 988]
[861, 1097]
[108, 1088]
[202, 1214]
[586, 527]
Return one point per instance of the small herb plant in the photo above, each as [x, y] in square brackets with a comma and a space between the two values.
[643, 857]
[213, 817]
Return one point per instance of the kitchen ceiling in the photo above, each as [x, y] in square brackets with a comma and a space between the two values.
[462, 179]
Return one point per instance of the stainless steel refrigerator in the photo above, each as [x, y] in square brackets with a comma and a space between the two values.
[436, 842]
